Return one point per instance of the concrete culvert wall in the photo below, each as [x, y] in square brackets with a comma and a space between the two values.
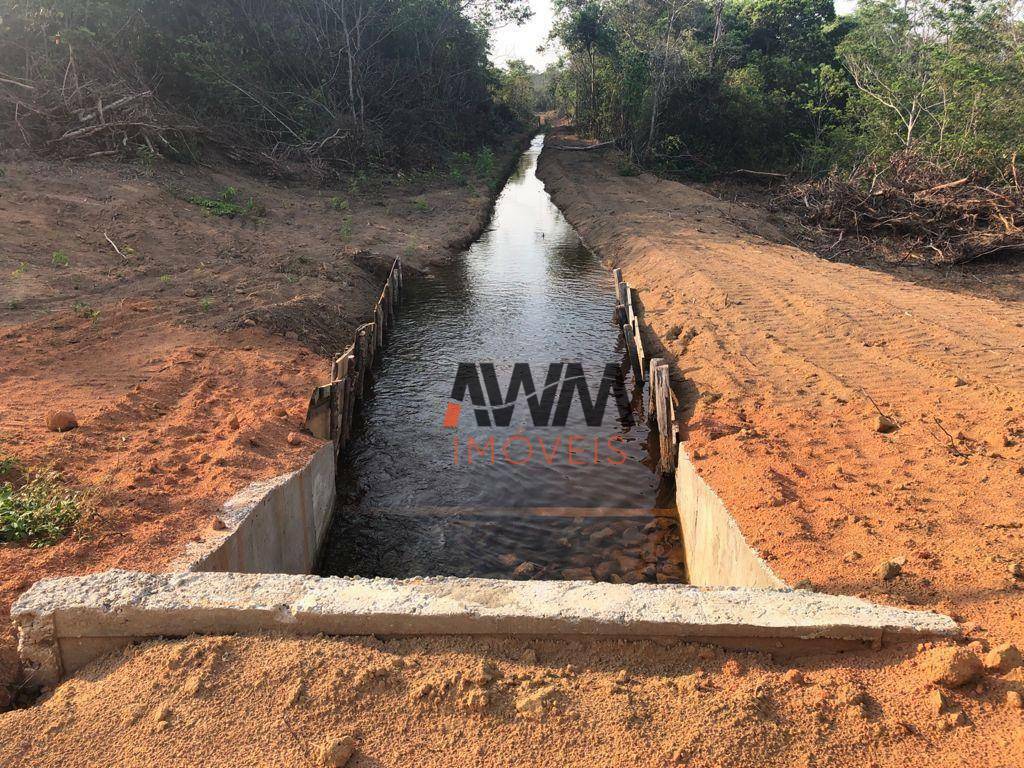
[273, 526]
[717, 554]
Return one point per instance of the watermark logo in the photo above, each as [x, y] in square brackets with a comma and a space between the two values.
[549, 400]
[563, 384]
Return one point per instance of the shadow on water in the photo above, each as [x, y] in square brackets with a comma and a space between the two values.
[527, 500]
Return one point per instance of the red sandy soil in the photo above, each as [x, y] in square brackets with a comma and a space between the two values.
[455, 702]
[190, 357]
[775, 354]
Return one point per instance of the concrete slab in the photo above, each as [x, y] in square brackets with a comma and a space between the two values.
[65, 623]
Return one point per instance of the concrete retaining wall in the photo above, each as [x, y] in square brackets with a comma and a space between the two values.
[65, 623]
[716, 552]
[273, 526]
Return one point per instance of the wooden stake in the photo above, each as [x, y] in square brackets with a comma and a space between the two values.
[318, 413]
[662, 388]
[638, 343]
[634, 361]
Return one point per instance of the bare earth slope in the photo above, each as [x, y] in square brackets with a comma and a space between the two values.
[784, 361]
[189, 356]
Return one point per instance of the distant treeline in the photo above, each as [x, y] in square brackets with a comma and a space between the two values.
[333, 84]
[707, 86]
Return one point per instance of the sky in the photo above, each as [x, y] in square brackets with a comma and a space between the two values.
[512, 42]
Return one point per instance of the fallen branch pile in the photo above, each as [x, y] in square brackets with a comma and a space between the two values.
[929, 216]
[103, 108]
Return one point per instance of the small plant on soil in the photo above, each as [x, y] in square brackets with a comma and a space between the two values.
[339, 204]
[36, 508]
[165, 279]
[485, 163]
[357, 182]
[346, 228]
[421, 205]
[60, 259]
[458, 176]
[206, 305]
[82, 309]
[226, 204]
[19, 270]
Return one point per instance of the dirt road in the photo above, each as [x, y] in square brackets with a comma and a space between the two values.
[186, 343]
[784, 361]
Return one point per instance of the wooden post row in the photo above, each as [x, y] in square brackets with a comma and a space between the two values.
[331, 406]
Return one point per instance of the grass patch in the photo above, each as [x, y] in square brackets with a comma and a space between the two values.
[36, 508]
[60, 259]
[82, 309]
[226, 204]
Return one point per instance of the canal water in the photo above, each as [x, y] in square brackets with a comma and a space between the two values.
[554, 486]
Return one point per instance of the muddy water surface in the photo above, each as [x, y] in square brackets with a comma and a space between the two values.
[424, 489]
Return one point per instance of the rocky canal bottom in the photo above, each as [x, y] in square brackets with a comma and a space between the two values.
[511, 544]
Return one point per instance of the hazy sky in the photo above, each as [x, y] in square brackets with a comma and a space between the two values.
[514, 42]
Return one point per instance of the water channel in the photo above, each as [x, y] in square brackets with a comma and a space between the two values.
[424, 489]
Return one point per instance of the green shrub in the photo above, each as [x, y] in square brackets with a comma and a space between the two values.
[485, 163]
[224, 204]
[333, 84]
[38, 510]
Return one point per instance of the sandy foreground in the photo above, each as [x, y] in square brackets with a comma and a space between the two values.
[777, 356]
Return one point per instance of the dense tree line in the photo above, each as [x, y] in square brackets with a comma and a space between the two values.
[702, 86]
[335, 83]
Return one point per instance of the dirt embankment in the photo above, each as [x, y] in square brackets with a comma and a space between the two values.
[439, 702]
[784, 361]
[186, 343]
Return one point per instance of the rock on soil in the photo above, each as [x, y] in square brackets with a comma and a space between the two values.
[938, 701]
[1003, 658]
[885, 425]
[889, 569]
[951, 666]
[61, 421]
[336, 753]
